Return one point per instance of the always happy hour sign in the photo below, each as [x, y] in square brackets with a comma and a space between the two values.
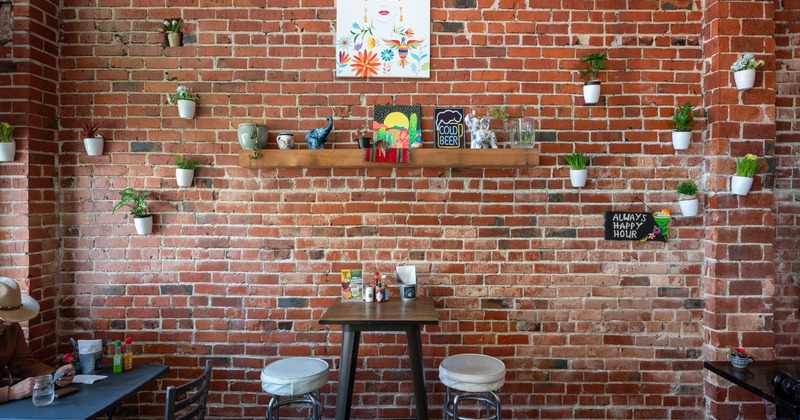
[636, 226]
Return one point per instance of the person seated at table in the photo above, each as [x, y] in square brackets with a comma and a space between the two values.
[14, 351]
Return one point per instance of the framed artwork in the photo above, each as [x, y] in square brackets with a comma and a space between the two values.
[449, 128]
[397, 125]
[383, 38]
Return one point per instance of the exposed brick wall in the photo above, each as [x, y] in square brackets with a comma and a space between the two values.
[241, 265]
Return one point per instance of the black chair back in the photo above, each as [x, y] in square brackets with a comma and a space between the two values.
[188, 401]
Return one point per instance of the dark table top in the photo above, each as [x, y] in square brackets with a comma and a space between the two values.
[757, 378]
[92, 400]
[393, 312]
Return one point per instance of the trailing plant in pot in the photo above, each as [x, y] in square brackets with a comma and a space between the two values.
[688, 198]
[172, 27]
[744, 71]
[184, 173]
[363, 137]
[746, 168]
[92, 141]
[682, 120]
[252, 136]
[591, 89]
[8, 148]
[186, 100]
[578, 172]
[138, 209]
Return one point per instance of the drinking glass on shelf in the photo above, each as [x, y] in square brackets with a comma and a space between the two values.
[43, 390]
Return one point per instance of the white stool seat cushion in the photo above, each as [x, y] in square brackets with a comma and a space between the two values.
[472, 372]
[294, 376]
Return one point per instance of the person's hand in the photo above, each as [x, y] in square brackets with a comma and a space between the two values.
[69, 373]
[22, 389]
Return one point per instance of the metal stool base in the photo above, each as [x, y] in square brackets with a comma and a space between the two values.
[489, 398]
[316, 405]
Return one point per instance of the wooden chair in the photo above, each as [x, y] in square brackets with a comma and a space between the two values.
[188, 401]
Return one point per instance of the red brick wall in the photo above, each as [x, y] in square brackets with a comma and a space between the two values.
[241, 265]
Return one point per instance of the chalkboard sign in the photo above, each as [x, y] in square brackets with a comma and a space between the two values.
[635, 226]
[449, 128]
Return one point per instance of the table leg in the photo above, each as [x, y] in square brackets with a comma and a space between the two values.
[417, 372]
[347, 372]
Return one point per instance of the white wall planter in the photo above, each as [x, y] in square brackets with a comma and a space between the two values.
[186, 108]
[174, 39]
[740, 185]
[681, 139]
[578, 177]
[591, 92]
[745, 79]
[689, 207]
[7, 151]
[184, 177]
[144, 224]
[93, 145]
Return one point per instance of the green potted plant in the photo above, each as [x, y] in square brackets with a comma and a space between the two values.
[184, 173]
[92, 141]
[744, 71]
[577, 172]
[519, 129]
[746, 168]
[682, 120]
[8, 148]
[687, 200]
[591, 89]
[138, 209]
[363, 137]
[186, 100]
[172, 27]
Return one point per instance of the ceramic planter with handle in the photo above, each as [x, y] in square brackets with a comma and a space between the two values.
[144, 224]
[578, 177]
[741, 362]
[681, 139]
[740, 185]
[591, 92]
[93, 145]
[186, 108]
[184, 177]
[7, 151]
[689, 206]
[745, 79]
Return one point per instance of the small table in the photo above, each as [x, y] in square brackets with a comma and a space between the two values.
[92, 400]
[394, 315]
[757, 378]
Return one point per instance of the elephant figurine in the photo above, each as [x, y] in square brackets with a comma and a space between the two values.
[482, 137]
[315, 139]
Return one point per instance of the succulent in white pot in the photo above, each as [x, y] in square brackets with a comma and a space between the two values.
[142, 219]
[744, 71]
[92, 141]
[172, 27]
[186, 101]
[682, 120]
[184, 173]
[8, 148]
[577, 172]
[746, 168]
[688, 201]
[591, 89]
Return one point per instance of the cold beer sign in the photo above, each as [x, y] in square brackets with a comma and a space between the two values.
[449, 124]
[636, 226]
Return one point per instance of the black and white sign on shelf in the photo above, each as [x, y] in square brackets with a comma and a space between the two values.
[449, 128]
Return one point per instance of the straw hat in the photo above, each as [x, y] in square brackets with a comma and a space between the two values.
[14, 307]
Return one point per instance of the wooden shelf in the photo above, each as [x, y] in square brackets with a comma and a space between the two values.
[419, 158]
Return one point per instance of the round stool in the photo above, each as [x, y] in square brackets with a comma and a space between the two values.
[475, 377]
[301, 377]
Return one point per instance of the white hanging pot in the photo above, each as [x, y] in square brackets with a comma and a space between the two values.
[740, 185]
[689, 207]
[186, 108]
[578, 177]
[7, 151]
[93, 145]
[174, 39]
[591, 92]
[143, 223]
[745, 79]
[184, 177]
[681, 139]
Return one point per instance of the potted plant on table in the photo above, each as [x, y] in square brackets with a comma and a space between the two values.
[746, 168]
[8, 148]
[578, 172]
[92, 141]
[744, 71]
[184, 173]
[138, 209]
[682, 120]
[362, 136]
[186, 100]
[739, 357]
[591, 89]
[688, 198]
[172, 27]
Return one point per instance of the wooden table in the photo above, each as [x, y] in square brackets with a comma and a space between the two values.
[394, 315]
[757, 378]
